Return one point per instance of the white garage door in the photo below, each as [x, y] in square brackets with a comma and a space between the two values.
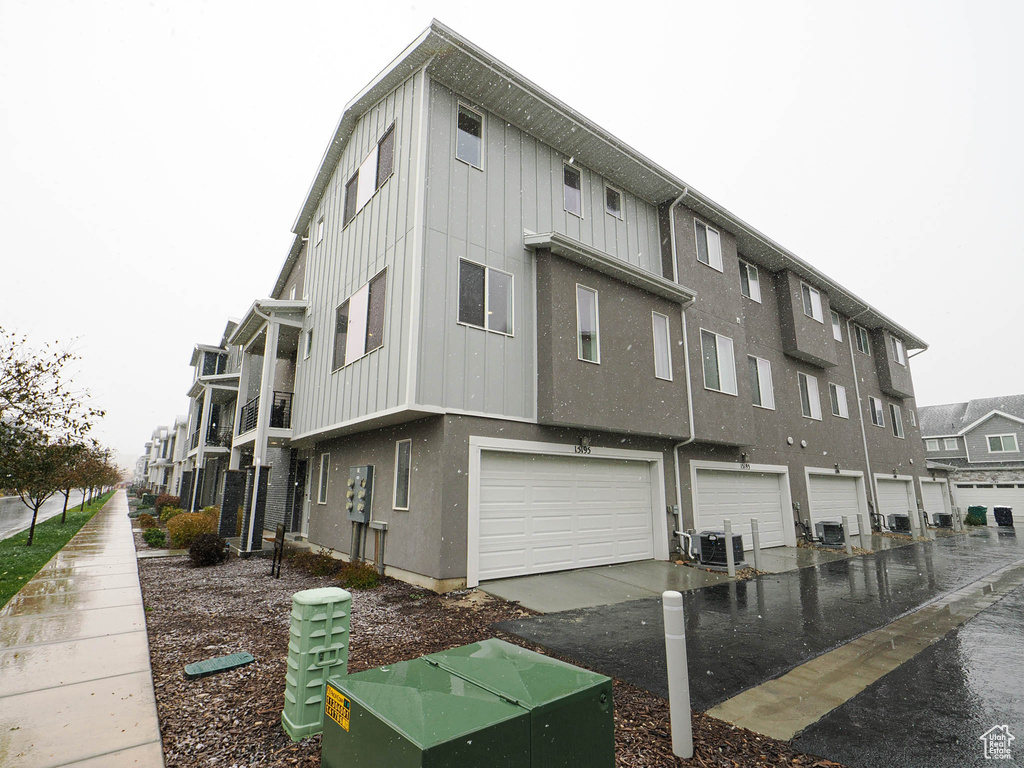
[934, 498]
[738, 497]
[549, 513]
[833, 496]
[992, 496]
[893, 498]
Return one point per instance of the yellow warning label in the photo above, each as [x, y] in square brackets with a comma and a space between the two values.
[338, 707]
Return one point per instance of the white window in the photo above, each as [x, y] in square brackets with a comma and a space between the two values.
[662, 348]
[897, 419]
[812, 302]
[309, 343]
[719, 362]
[469, 138]
[319, 230]
[750, 285]
[898, 354]
[931, 445]
[837, 328]
[863, 343]
[1002, 443]
[403, 468]
[709, 245]
[913, 417]
[810, 401]
[588, 341]
[837, 393]
[877, 416]
[761, 391]
[949, 443]
[325, 466]
[572, 190]
[375, 169]
[485, 297]
[359, 322]
[613, 202]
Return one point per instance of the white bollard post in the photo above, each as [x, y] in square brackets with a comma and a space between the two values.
[847, 535]
[730, 566]
[678, 676]
[755, 537]
[864, 537]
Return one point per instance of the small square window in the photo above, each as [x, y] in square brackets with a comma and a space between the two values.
[837, 394]
[810, 401]
[931, 445]
[709, 245]
[877, 416]
[812, 302]
[897, 419]
[837, 328]
[588, 341]
[950, 444]
[613, 202]
[572, 189]
[863, 343]
[719, 362]
[750, 284]
[469, 142]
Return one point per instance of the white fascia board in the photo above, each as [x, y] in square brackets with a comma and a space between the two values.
[985, 418]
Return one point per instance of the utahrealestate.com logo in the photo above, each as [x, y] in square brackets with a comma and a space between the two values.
[997, 742]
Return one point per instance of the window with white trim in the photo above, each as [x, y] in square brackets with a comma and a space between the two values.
[588, 335]
[662, 347]
[612, 202]
[898, 353]
[709, 245]
[761, 391]
[837, 328]
[1002, 443]
[469, 138]
[931, 445]
[812, 302]
[913, 417]
[837, 394]
[309, 343]
[810, 400]
[950, 444]
[877, 415]
[325, 466]
[863, 342]
[485, 297]
[359, 322]
[719, 362]
[375, 169]
[319, 230]
[403, 469]
[572, 189]
[897, 419]
[750, 285]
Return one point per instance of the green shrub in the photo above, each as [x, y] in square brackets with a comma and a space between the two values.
[208, 549]
[358, 576]
[185, 527]
[148, 500]
[146, 521]
[155, 537]
[213, 512]
[168, 513]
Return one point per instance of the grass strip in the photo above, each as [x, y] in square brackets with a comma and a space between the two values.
[19, 563]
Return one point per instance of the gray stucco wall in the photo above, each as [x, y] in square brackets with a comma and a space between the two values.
[893, 378]
[621, 393]
[804, 337]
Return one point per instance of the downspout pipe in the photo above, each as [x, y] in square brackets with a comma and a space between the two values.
[689, 387]
[860, 410]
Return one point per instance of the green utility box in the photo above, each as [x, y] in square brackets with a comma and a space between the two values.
[485, 704]
[317, 649]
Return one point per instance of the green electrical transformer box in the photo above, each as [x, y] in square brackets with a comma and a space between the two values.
[488, 704]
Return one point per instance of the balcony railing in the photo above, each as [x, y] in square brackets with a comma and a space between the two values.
[250, 412]
[194, 440]
[281, 411]
[219, 437]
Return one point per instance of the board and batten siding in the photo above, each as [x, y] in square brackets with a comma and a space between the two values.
[379, 236]
[480, 215]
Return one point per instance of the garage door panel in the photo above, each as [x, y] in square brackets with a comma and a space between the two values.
[832, 496]
[990, 498]
[893, 497]
[574, 512]
[740, 497]
[934, 499]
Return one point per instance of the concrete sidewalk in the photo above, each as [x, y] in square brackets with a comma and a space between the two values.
[75, 681]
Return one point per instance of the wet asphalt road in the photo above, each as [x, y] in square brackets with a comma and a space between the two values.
[15, 517]
[932, 710]
[742, 634]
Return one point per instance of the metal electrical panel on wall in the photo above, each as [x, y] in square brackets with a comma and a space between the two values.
[359, 495]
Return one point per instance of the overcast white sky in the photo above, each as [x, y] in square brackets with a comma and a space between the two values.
[153, 156]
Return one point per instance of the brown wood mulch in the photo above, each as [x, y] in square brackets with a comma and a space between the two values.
[234, 718]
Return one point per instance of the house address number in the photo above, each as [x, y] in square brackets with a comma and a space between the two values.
[744, 465]
[582, 449]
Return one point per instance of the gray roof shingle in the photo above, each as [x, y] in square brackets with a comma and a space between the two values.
[951, 418]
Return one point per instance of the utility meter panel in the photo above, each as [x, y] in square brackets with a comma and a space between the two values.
[359, 494]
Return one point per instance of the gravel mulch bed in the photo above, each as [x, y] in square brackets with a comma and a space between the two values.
[234, 719]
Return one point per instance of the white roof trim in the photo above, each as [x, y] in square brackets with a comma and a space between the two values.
[988, 416]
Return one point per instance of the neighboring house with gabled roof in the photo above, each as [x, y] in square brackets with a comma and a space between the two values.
[983, 439]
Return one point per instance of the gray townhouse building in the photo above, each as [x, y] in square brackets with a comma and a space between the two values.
[504, 342]
[982, 440]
